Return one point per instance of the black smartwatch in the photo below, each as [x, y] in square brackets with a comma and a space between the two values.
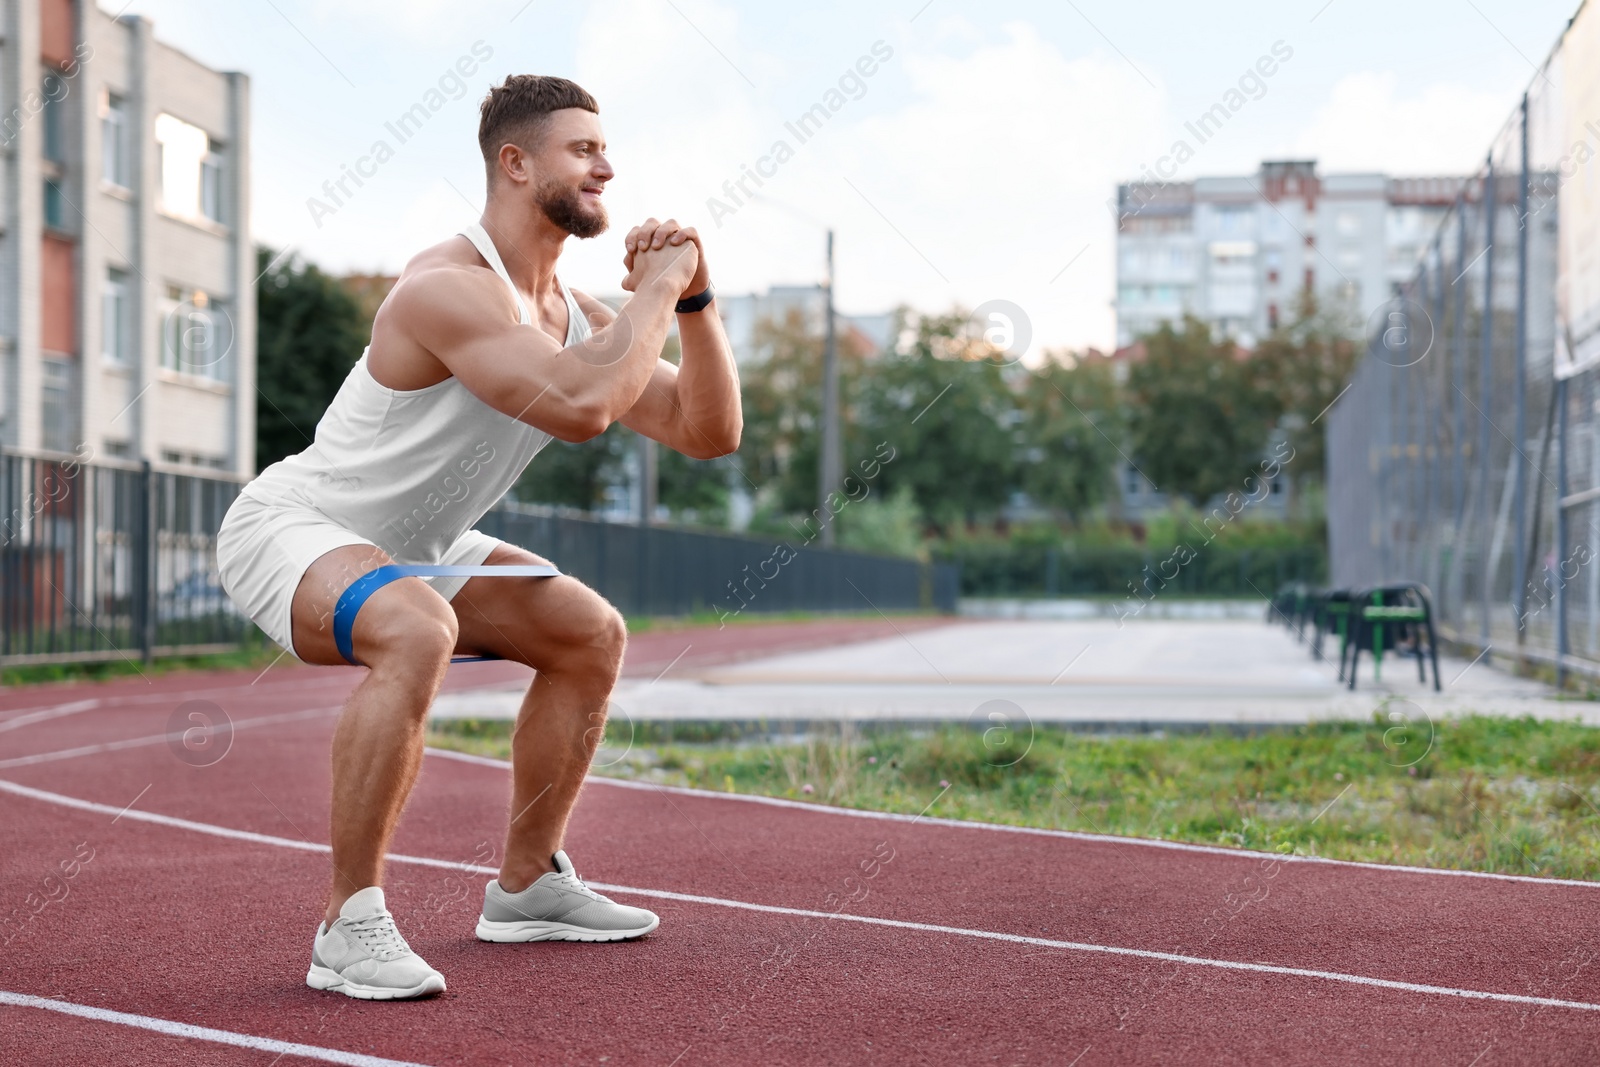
[696, 302]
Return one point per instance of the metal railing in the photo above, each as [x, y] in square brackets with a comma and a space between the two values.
[659, 570]
[106, 560]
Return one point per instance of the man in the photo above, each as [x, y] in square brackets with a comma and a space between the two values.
[479, 357]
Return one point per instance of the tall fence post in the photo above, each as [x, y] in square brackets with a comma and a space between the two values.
[141, 548]
[1519, 552]
[1486, 390]
[1458, 373]
[1560, 387]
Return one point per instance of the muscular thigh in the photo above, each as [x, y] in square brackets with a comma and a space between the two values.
[326, 580]
[536, 621]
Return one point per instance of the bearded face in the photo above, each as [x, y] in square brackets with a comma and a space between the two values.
[568, 206]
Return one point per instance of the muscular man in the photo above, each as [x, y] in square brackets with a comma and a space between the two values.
[479, 357]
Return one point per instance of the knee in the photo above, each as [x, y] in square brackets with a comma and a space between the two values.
[610, 638]
[416, 639]
[598, 644]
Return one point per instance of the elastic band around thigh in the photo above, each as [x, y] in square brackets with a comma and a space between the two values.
[351, 600]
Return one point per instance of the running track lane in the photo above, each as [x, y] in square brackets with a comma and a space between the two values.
[160, 914]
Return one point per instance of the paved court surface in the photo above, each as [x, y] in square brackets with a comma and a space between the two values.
[1149, 672]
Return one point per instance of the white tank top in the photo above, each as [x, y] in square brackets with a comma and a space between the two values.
[412, 469]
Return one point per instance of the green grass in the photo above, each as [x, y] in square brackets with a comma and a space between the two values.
[1517, 796]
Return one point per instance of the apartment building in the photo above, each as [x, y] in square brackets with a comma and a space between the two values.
[1238, 251]
[127, 311]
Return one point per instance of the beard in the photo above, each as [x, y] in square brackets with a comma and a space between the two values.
[564, 206]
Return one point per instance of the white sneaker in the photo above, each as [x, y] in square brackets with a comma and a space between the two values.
[559, 907]
[363, 955]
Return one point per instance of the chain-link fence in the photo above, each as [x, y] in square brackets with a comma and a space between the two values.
[1464, 453]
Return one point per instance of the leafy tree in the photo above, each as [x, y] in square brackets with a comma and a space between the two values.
[1070, 420]
[782, 394]
[309, 333]
[693, 490]
[1199, 414]
[891, 525]
[949, 414]
[577, 475]
[1307, 363]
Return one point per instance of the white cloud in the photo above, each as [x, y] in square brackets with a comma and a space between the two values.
[1367, 124]
[995, 160]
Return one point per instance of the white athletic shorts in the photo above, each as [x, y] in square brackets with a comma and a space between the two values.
[263, 551]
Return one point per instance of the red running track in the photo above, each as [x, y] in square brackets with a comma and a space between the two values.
[790, 933]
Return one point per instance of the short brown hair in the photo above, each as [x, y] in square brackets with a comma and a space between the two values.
[518, 111]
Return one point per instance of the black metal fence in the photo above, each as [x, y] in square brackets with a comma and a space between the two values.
[662, 571]
[103, 560]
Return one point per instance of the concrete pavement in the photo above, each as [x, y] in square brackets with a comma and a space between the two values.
[1092, 672]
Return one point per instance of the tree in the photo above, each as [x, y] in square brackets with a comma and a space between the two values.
[1307, 363]
[309, 333]
[782, 397]
[1199, 414]
[1070, 420]
[948, 414]
[577, 475]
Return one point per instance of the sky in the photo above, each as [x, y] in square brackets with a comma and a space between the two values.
[974, 163]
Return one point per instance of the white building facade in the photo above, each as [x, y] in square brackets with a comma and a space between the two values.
[127, 310]
[1238, 252]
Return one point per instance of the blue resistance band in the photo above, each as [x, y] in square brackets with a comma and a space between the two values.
[349, 605]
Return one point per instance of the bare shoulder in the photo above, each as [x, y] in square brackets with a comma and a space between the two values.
[446, 297]
[447, 282]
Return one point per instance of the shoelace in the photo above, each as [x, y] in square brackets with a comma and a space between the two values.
[380, 935]
[570, 880]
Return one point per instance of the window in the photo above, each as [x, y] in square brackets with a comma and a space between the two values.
[1348, 223]
[196, 334]
[211, 182]
[58, 400]
[55, 206]
[1234, 219]
[190, 170]
[117, 327]
[114, 140]
[54, 91]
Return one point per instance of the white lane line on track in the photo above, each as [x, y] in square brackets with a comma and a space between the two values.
[202, 1033]
[1069, 835]
[154, 739]
[28, 716]
[11, 718]
[868, 920]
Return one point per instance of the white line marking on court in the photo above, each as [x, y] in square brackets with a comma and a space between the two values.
[867, 920]
[202, 1033]
[154, 739]
[1070, 835]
